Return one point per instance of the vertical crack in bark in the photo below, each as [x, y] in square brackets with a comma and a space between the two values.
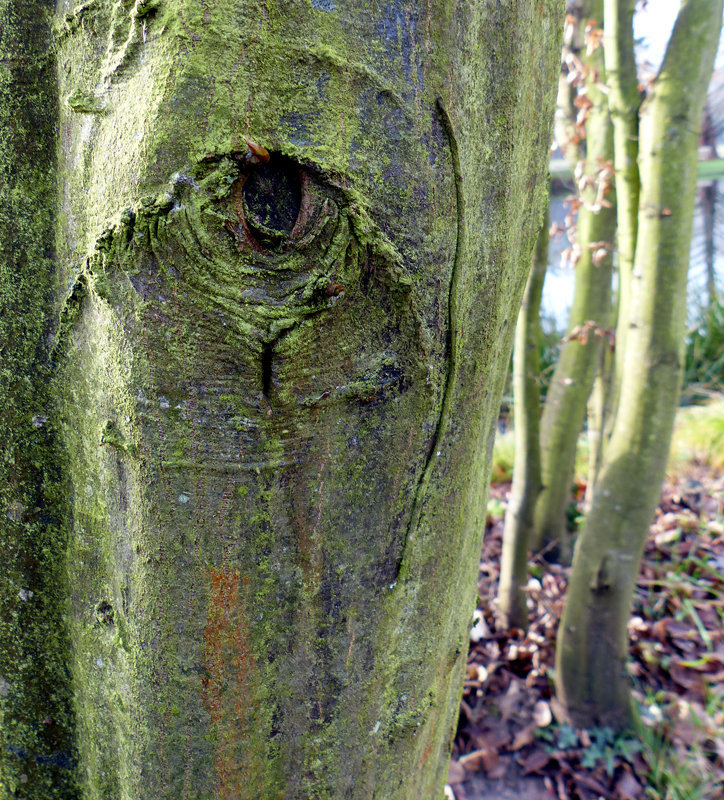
[452, 333]
[451, 343]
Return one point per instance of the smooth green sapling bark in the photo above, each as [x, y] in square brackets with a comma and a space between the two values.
[564, 412]
[526, 468]
[624, 102]
[590, 672]
[287, 241]
[599, 415]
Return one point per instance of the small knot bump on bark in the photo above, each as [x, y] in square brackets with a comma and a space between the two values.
[104, 613]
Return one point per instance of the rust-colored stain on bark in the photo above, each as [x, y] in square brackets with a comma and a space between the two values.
[227, 689]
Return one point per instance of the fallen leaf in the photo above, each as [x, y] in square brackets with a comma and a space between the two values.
[511, 701]
[690, 680]
[499, 770]
[524, 737]
[677, 641]
[686, 731]
[496, 736]
[456, 773]
[627, 787]
[485, 759]
[535, 762]
[588, 782]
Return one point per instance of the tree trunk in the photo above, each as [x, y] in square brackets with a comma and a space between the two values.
[36, 714]
[564, 413]
[592, 639]
[599, 413]
[624, 101]
[526, 468]
[269, 346]
[707, 204]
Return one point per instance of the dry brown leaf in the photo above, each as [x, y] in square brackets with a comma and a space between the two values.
[627, 787]
[535, 762]
[511, 702]
[686, 678]
[524, 737]
[686, 731]
[686, 645]
[497, 736]
[663, 634]
[499, 770]
[591, 783]
[483, 759]
[456, 773]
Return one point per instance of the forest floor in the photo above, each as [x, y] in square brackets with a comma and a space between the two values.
[509, 743]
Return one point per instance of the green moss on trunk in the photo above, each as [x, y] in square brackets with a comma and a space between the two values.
[37, 757]
[276, 416]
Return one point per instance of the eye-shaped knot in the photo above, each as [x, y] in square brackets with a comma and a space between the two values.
[271, 200]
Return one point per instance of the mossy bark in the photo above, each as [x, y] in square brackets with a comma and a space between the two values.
[592, 639]
[36, 721]
[526, 468]
[273, 295]
[564, 413]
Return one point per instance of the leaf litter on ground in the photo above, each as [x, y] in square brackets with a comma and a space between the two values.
[511, 741]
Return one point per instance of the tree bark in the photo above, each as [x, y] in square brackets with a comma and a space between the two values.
[564, 412]
[592, 639]
[598, 419]
[36, 715]
[276, 323]
[707, 203]
[624, 101]
[526, 467]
